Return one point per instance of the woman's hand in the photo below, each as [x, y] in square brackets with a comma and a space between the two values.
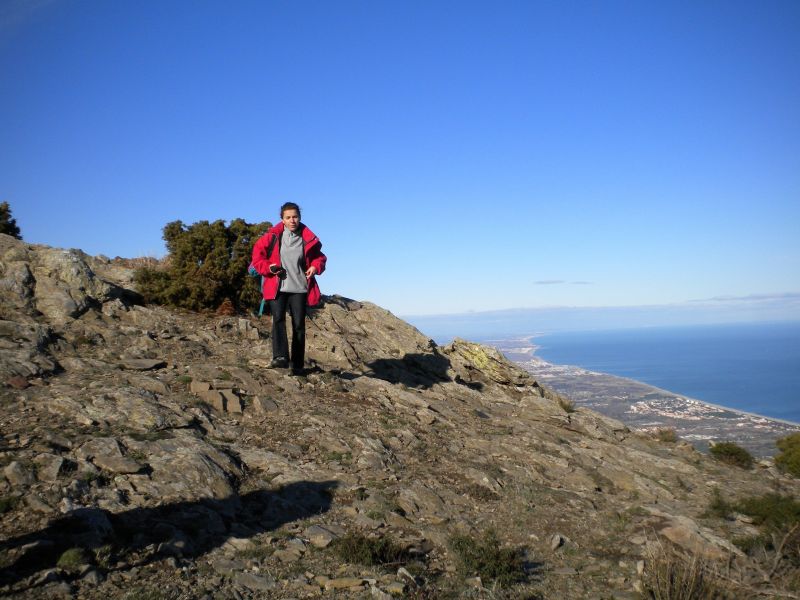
[311, 271]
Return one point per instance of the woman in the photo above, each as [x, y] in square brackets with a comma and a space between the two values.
[289, 256]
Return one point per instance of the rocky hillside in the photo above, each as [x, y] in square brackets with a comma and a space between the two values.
[148, 453]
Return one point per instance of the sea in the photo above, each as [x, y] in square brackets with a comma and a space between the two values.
[749, 367]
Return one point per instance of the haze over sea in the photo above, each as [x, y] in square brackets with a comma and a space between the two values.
[749, 367]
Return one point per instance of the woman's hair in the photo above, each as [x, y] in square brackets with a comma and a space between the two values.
[290, 206]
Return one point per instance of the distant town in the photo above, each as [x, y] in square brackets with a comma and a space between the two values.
[644, 407]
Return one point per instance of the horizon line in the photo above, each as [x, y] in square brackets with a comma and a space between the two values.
[689, 304]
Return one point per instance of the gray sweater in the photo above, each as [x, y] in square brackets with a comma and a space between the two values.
[293, 261]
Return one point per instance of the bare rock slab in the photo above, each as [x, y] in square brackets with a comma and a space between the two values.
[320, 537]
[264, 405]
[233, 404]
[17, 474]
[254, 582]
[199, 386]
[343, 583]
[49, 466]
[106, 454]
[213, 398]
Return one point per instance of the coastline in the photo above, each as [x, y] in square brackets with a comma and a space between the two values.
[685, 397]
[647, 407]
[533, 347]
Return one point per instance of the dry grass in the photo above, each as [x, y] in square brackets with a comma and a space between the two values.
[666, 434]
[672, 576]
[568, 406]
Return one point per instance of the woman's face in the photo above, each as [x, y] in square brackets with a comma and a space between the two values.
[291, 219]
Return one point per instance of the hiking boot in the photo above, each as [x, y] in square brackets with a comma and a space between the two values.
[279, 363]
[298, 371]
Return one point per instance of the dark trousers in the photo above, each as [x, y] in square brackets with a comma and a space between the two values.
[280, 344]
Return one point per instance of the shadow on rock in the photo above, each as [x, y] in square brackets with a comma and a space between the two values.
[413, 370]
[182, 529]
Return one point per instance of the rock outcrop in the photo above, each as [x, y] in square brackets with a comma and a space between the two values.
[144, 448]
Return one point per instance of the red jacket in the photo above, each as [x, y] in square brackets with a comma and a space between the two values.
[312, 251]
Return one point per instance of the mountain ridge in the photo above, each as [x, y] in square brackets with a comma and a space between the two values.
[155, 445]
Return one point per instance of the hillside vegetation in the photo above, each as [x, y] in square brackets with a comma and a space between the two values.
[206, 266]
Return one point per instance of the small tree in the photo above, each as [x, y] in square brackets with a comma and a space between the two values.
[8, 224]
[207, 264]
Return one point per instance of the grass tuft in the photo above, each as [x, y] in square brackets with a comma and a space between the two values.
[483, 556]
[568, 406]
[344, 458]
[359, 549]
[670, 576]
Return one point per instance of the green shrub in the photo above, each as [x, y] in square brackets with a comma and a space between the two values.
[207, 264]
[719, 507]
[772, 511]
[483, 556]
[732, 454]
[777, 546]
[8, 224]
[359, 549]
[789, 458]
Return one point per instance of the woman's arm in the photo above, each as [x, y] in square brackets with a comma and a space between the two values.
[260, 260]
[317, 260]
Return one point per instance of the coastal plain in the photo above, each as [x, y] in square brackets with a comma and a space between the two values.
[648, 408]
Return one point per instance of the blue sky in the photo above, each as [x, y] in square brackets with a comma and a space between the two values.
[452, 156]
